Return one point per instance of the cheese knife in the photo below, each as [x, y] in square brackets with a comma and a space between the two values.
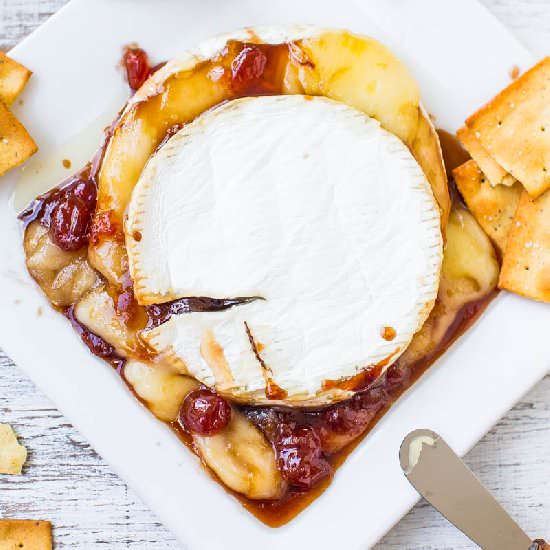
[443, 479]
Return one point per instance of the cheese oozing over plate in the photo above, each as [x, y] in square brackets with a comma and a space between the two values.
[308, 204]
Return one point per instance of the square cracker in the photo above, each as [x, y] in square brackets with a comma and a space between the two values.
[492, 207]
[491, 168]
[526, 264]
[26, 534]
[13, 77]
[12, 455]
[514, 128]
[16, 145]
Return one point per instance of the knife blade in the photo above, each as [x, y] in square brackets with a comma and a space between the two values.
[443, 479]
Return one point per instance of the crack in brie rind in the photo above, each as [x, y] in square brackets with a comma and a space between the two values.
[306, 202]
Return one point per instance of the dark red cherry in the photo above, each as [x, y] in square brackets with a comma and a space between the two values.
[204, 412]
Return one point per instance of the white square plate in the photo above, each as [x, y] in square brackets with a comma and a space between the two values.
[461, 56]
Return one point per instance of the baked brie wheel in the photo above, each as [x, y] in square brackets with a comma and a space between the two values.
[258, 248]
[309, 200]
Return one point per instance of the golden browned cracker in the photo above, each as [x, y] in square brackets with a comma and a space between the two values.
[13, 77]
[12, 455]
[16, 145]
[25, 534]
[526, 264]
[491, 168]
[514, 128]
[492, 207]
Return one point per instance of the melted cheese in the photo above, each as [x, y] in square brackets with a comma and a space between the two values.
[306, 203]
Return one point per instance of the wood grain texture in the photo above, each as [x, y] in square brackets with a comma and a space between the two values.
[66, 482]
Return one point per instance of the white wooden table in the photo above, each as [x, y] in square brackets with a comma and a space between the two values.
[67, 483]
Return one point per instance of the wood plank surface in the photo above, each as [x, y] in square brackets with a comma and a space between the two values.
[67, 483]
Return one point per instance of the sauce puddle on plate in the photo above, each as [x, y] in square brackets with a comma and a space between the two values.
[50, 166]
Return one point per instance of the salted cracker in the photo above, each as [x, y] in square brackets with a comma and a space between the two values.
[25, 534]
[514, 128]
[491, 168]
[493, 207]
[16, 145]
[526, 263]
[13, 77]
[12, 455]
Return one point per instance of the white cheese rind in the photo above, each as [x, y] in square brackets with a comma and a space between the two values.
[309, 204]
